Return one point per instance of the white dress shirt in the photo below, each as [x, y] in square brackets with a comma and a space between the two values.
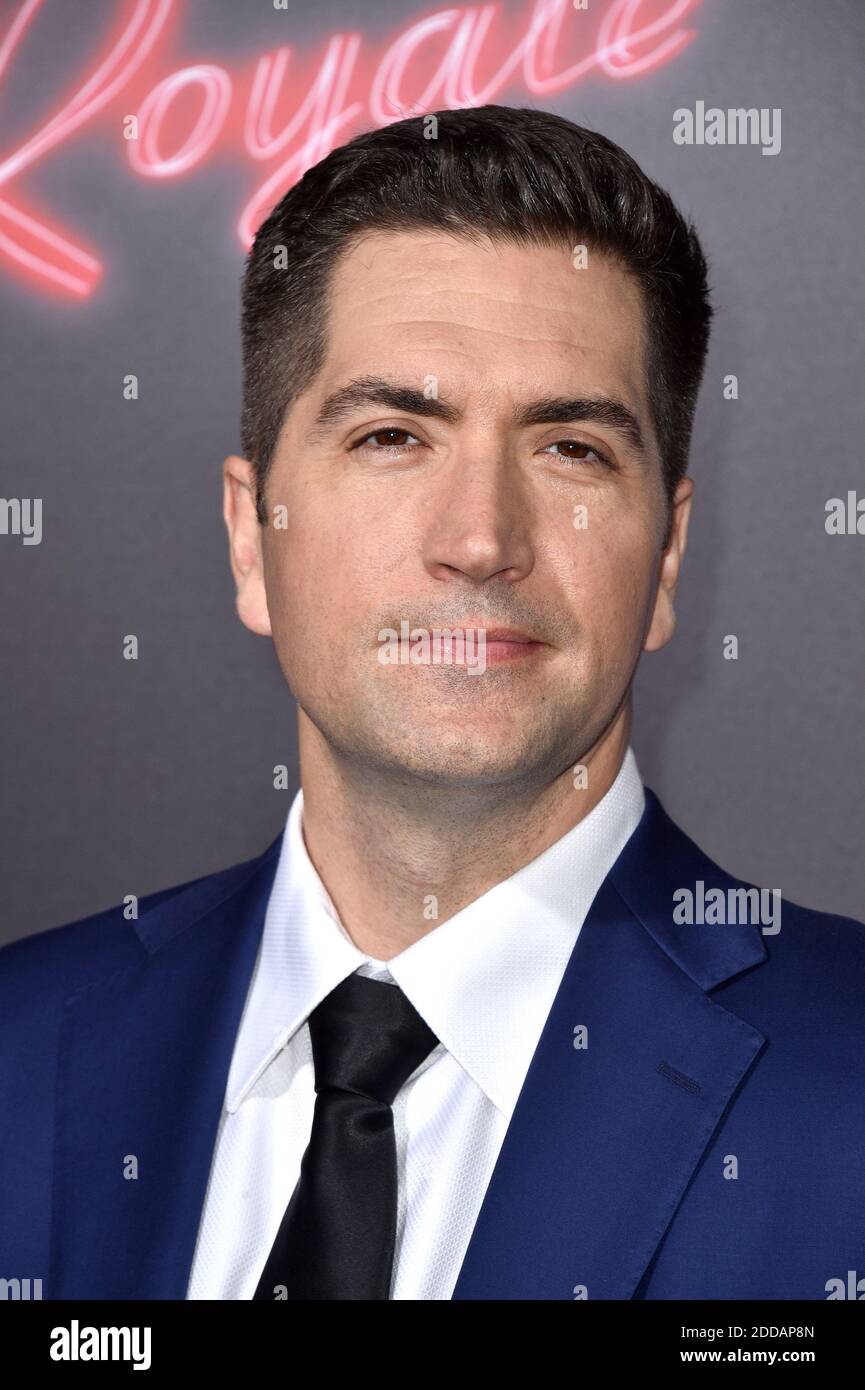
[484, 981]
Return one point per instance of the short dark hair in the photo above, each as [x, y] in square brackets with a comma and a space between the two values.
[524, 176]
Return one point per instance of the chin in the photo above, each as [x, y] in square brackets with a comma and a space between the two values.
[465, 758]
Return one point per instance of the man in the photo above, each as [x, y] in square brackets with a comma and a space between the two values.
[483, 1023]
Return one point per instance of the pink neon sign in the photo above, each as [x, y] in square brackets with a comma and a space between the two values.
[288, 114]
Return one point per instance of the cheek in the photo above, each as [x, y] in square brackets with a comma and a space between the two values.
[609, 576]
[318, 575]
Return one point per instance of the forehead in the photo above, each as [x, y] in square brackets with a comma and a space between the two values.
[487, 315]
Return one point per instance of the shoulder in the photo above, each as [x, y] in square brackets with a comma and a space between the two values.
[719, 925]
[779, 916]
[821, 957]
[68, 958]
[813, 971]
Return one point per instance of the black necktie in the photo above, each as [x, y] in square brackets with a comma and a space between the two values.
[337, 1236]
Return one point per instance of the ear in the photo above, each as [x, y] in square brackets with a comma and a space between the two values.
[244, 543]
[663, 623]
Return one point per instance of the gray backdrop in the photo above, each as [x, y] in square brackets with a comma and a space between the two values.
[125, 776]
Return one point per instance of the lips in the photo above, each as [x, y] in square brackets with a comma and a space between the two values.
[491, 634]
[503, 644]
[470, 642]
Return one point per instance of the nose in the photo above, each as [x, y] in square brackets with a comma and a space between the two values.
[479, 524]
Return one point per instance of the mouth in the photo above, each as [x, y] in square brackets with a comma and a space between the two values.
[498, 644]
[505, 644]
[470, 642]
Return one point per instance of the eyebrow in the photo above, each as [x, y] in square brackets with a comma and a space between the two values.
[546, 410]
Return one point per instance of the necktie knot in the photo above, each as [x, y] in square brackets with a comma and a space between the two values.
[367, 1038]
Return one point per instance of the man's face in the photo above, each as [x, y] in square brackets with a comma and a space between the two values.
[453, 506]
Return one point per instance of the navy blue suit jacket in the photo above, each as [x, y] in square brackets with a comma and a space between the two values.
[708, 1141]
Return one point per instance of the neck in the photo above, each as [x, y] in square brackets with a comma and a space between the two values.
[399, 859]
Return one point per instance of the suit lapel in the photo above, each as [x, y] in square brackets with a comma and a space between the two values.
[144, 1062]
[605, 1138]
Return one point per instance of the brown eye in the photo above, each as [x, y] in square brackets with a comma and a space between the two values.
[579, 452]
[390, 442]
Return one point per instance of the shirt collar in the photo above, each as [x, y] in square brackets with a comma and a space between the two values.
[484, 980]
